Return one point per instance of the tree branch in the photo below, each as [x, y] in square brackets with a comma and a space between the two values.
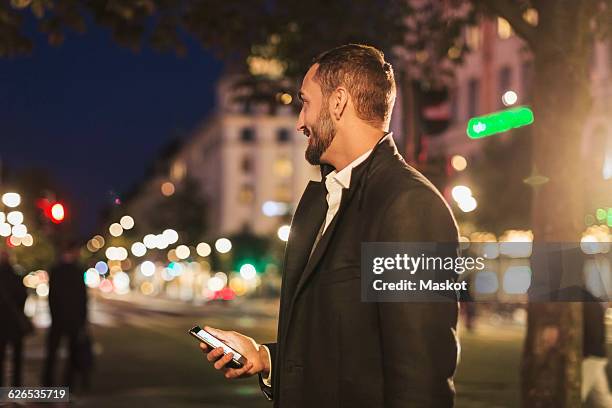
[511, 11]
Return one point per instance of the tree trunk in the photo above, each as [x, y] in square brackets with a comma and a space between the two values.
[551, 371]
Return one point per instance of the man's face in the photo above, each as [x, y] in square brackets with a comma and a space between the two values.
[315, 120]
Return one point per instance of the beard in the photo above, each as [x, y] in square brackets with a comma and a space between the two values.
[320, 137]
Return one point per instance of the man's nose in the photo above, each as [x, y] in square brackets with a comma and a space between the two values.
[299, 126]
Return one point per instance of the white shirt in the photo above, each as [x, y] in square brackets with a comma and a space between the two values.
[335, 182]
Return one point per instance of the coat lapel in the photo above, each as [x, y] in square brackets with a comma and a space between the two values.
[307, 219]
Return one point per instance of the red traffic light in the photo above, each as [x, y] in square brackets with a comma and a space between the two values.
[57, 212]
[54, 210]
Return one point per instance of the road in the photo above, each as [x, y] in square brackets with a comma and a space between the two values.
[145, 357]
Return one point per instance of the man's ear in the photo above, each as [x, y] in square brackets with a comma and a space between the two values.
[337, 102]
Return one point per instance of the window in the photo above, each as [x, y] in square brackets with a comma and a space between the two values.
[473, 90]
[473, 37]
[246, 195]
[247, 135]
[247, 164]
[283, 135]
[283, 167]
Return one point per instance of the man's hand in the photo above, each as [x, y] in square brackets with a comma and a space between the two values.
[256, 355]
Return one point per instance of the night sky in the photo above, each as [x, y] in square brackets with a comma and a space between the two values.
[95, 114]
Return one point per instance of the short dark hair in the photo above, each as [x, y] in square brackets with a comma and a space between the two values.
[369, 79]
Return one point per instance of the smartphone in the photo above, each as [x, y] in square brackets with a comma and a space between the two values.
[238, 360]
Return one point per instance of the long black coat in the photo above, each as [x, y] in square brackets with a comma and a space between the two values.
[67, 296]
[15, 293]
[332, 349]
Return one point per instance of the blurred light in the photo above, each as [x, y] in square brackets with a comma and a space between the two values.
[150, 241]
[116, 253]
[589, 220]
[516, 244]
[147, 268]
[20, 231]
[170, 236]
[248, 271]
[106, 286]
[223, 245]
[175, 269]
[5, 229]
[165, 274]
[531, 16]
[595, 240]
[27, 240]
[215, 284]
[121, 281]
[274, 208]
[161, 242]
[15, 217]
[283, 232]
[115, 229]
[91, 247]
[139, 249]
[285, 98]
[2, 217]
[499, 122]
[504, 29]
[101, 267]
[203, 249]
[147, 288]
[238, 286]
[167, 189]
[14, 241]
[486, 282]
[42, 290]
[468, 205]
[509, 98]
[58, 213]
[127, 222]
[517, 279]
[461, 193]
[458, 162]
[600, 214]
[172, 256]
[122, 253]
[92, 278]
[98, 241]
[182, 251]
[11, 199]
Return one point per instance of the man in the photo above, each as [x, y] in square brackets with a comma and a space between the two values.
[68, 307]
[332, 349]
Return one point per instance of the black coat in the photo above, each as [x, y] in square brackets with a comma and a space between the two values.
[333, 350]
[14, 292]
[67, 296]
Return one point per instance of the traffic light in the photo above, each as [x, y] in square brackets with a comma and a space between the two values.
[53, 210]
[499, 122]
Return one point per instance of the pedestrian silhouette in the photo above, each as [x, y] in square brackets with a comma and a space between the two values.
[68, 307]
[13, 322]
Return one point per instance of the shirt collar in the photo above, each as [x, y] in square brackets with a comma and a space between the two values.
[343, 177]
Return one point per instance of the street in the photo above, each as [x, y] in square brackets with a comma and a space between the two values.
[144, 356]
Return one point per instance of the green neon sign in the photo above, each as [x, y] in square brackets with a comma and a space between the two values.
[498, 122]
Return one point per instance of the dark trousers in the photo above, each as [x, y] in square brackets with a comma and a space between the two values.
[17, 348]
[54, 338]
